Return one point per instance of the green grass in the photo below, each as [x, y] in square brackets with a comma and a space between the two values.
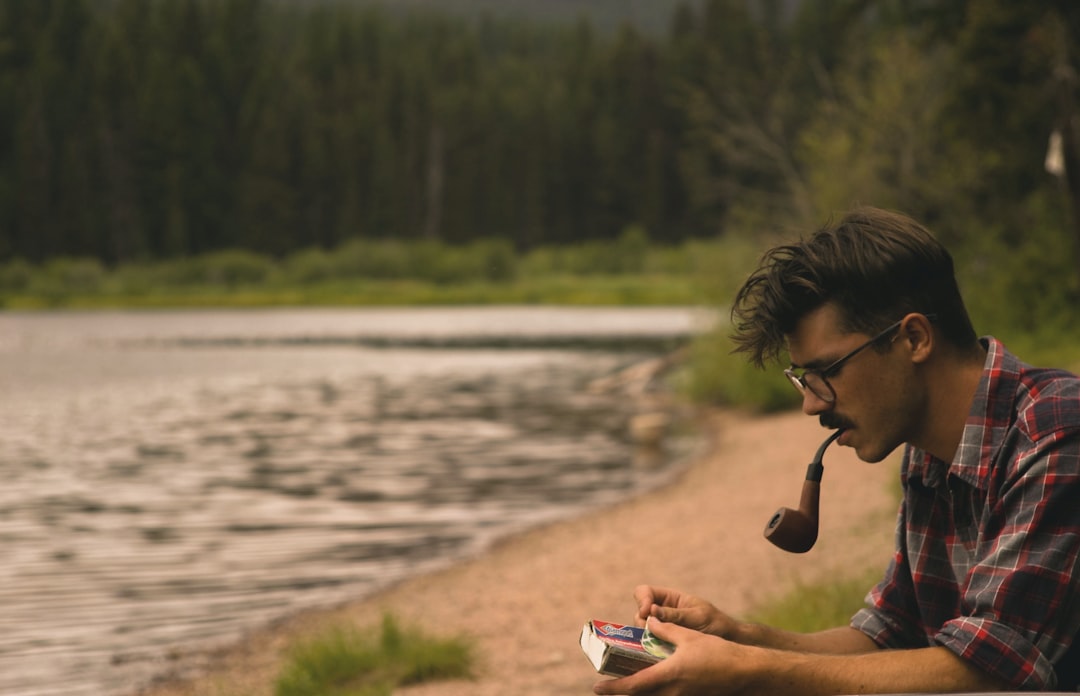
[818, 606]
[635, 290]
[629, 270]
[345, 661]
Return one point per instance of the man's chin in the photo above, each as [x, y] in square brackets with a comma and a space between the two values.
[870, 453]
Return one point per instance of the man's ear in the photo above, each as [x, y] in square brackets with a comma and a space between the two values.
[918, 336]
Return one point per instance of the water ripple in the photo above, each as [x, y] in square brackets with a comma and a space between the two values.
[158, 501]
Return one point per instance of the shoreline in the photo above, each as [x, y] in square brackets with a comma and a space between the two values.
[522, 601]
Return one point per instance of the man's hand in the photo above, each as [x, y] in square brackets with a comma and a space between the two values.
[707, 665]
[686, 610]
[696, 668]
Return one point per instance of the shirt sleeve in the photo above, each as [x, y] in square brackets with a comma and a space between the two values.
[1012, 603]
[891, 616]
[1020, 604]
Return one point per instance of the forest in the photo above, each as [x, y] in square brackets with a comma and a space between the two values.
[649, 16]
[140, 132]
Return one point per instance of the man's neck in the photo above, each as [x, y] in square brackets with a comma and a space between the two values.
[953, 382]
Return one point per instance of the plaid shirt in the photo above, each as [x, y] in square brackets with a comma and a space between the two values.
[987, 558]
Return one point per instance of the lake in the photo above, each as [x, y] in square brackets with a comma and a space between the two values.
[174, 479]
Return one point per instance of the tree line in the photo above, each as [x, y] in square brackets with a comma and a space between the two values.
[136, 130]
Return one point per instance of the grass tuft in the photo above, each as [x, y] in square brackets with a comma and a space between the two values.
[345, 661]
[818, 606]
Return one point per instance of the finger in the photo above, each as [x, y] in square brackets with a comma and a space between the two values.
[666, 614]
[623, 685]
[644, 682]
[646, 597]
[634, 684]
[670, 632]
[656, 595]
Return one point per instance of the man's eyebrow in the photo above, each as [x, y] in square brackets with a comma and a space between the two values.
[812, 365]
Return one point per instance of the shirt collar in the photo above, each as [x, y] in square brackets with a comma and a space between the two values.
[986, 425]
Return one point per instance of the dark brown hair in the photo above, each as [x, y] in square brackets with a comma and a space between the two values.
[874, 265]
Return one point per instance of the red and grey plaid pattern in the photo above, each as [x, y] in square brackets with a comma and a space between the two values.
[988, 547]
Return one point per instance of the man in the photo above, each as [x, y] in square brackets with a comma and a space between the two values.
[983, 591]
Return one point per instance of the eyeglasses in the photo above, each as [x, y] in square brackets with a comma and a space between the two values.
[817, 381]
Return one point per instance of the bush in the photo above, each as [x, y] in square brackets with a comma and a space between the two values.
[496, 260]
[171, 273]
[630, 254]
[717, 376]
[310, 266]
[16, 275]
[492, 260]
[228, 269]
[82, 275]
[631, 249]
[375, 259]
[64, 277]
[441, 264]
[233, 267]
[723, 264]
[138, 278]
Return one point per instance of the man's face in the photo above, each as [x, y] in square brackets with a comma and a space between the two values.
[876, 397]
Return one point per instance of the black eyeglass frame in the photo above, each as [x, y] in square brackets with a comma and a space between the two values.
[823, 374]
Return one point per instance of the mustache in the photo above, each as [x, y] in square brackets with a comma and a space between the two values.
[831, 421]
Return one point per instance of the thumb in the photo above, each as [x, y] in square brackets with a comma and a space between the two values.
[670, 632]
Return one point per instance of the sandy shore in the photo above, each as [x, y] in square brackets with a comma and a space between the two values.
[524, 601]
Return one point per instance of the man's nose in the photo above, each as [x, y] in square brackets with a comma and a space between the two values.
[813, 405]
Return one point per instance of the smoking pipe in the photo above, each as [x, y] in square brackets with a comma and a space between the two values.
[797, 530]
